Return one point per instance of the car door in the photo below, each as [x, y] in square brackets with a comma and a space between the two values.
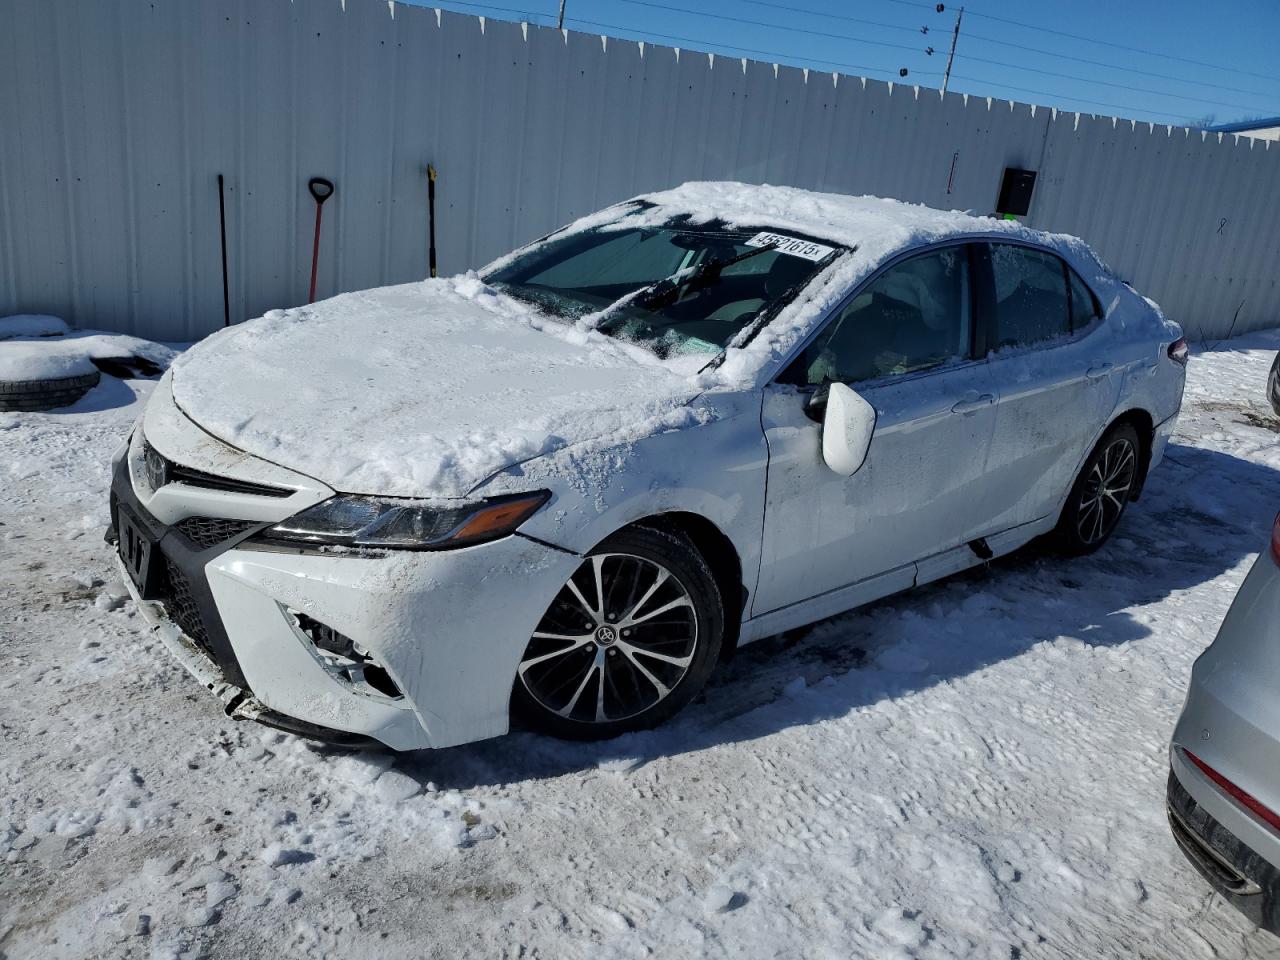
[904, 342]
[1057, 382]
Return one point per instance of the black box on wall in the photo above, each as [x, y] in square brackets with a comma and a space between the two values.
[1015, 191]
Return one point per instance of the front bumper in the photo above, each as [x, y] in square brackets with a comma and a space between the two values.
[449, 627]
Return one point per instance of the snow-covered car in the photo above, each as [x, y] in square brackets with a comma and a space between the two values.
[567, 486]
[1224, 778]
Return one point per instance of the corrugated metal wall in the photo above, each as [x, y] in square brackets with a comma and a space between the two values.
[116, 116]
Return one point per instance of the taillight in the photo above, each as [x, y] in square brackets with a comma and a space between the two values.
[1275, 540]
[1246, 800]
[1179, 352]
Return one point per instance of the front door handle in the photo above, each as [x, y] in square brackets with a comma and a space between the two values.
[1098, 371]
[977, 403]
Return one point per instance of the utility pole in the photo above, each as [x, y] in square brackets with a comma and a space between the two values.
[560, 21]
[955, 35]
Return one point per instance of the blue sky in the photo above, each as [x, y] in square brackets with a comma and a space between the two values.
[1172, 62]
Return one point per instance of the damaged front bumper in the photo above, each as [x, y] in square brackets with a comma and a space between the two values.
[237, 703]
[271, 631]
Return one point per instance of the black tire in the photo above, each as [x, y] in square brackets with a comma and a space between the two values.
[45, 394]
[1101, 492]
[659, 642]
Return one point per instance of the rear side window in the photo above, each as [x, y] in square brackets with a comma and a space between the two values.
[1031, 299]
[913, 316]
[1084, 307]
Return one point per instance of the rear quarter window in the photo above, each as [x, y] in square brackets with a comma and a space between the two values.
[1084, 305]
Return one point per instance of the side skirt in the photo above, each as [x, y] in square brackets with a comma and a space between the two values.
[885, 584]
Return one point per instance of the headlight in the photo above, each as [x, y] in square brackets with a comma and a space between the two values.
[370, 522]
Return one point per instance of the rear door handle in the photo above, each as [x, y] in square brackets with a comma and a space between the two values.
[1098, 371]
[968, 406]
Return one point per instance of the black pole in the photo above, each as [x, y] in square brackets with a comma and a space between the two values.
[955, 35]
[222, 223]
[431, 217]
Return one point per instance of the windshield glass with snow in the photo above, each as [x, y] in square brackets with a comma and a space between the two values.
[675, 289]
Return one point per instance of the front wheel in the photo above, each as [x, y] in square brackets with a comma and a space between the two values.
[1100, 493]
[629, 639]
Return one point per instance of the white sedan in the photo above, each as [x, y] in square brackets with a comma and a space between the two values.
[569, 485]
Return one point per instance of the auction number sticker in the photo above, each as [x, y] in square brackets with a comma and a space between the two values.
[793, 246]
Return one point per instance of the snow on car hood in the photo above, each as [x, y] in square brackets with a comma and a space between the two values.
[421, 390]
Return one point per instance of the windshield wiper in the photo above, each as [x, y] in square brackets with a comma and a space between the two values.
[667, 291]
[663, 292]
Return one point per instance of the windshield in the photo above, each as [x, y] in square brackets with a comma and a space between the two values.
[663, 287]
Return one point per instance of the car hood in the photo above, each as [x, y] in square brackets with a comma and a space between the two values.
[421, 390]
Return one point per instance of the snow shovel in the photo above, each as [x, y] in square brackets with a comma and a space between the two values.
[431, 219]
[321, 190]
[222, 223]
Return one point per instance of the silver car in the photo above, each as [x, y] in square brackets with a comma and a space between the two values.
[1224, 785]
[569, 485]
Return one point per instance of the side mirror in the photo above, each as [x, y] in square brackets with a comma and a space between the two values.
[846, 430]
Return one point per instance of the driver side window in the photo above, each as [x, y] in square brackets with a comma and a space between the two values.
[913, 316]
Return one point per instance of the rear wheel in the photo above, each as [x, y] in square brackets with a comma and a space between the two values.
[629, 640]
[1101, 492]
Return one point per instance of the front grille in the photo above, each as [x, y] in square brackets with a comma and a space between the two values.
[160, 470]
[198, 478]
[207, 532]
[180, 604]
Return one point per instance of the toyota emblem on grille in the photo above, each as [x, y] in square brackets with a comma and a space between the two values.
[157, 468]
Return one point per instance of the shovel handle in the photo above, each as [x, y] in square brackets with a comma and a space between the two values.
[321, 189]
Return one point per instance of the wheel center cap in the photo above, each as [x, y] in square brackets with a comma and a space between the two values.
[606, 635]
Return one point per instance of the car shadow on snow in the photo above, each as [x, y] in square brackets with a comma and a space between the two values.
[1202, 514]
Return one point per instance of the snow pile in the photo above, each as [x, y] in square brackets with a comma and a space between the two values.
[23, 361]
[32, 325]
[34, 347]
[420, 390]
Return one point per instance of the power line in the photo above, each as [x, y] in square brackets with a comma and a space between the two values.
[772, 56]
[789, 8]
[881, 43]
[1045, 93]
[970, 35]
[1108, 83]
[929, 8]
[1121, 46]
[774, 26]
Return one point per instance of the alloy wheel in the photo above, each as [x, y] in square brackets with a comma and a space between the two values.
[616, 641]
[1106, 491]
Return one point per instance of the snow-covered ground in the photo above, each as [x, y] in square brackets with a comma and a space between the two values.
[975, 769]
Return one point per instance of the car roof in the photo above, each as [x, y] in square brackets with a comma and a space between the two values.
[888, 225]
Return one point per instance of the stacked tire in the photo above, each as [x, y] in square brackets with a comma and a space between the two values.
[45, 394]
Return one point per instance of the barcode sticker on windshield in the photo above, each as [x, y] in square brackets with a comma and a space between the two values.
[791, 245]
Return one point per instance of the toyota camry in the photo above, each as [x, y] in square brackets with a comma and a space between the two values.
[565, 487]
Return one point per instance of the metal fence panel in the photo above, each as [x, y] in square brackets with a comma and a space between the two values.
[118, 116]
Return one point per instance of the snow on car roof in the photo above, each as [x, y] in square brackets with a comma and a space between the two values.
[872, 228]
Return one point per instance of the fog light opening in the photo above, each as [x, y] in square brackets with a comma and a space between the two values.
[346, 660]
